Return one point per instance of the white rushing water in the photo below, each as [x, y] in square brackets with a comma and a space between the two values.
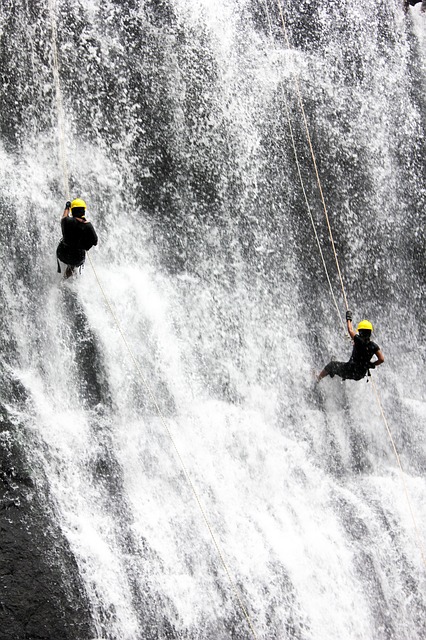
[220, 294]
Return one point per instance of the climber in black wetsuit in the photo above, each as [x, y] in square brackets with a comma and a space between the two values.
[78, 236]
[364, 349]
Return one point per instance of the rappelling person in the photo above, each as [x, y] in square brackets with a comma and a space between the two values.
[363, 350]
[78, 236]
[407, 3]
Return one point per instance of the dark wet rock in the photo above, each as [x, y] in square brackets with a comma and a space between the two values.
[41, 596]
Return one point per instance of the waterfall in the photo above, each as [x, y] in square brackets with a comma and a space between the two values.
[178, 369]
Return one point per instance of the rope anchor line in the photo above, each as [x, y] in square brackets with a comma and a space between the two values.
[62, 149]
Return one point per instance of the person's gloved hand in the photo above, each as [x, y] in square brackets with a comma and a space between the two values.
[67, 204]
[371, 365]
[349, 315]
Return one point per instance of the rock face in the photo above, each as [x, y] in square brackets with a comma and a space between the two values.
[41, 596]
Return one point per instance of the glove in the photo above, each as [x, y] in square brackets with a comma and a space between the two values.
[371, 365]
[67, 204]
[349, 315]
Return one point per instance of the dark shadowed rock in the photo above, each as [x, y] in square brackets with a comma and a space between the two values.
[41, 596]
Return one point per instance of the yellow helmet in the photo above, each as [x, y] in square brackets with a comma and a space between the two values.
[365, 324]
[78, 202]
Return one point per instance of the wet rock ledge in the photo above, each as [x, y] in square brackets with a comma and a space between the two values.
[41, 594]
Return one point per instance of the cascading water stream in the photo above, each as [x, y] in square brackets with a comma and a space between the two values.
[175, 133]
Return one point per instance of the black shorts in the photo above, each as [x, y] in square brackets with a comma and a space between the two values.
[345, 370]
[68, 255]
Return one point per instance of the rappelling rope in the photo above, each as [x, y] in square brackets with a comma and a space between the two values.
[61, 121]
[308, 137]
[59, 101]
[402, 474]
[299, 171]
[188, 477]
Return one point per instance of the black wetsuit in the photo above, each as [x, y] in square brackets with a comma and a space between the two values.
[77, 238]
[359, 361]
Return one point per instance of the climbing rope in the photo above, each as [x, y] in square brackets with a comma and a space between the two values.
[302, 184]
[61, 121]
[308, 137]
[178, 454]
[302, 109]
[402, 475]
[59, 101]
